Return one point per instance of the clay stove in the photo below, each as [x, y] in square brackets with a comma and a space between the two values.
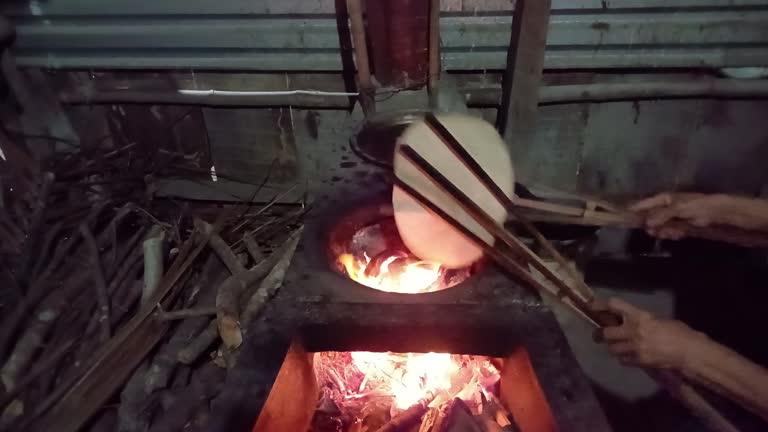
[476, 316]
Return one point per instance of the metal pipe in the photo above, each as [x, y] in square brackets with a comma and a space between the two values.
[305, 98]
[478, 96]
[710, 87]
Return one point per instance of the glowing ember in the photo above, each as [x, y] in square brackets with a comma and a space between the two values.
[412, 277]
[408, 376]
[405, 378]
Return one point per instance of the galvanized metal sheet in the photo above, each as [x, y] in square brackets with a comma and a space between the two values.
[247, 35]
[179, 33]
[242, 7]
[627, 29]
[621, 149]
[638, 57]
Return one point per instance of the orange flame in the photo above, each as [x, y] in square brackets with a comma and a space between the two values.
[409, 377]
[415, 278]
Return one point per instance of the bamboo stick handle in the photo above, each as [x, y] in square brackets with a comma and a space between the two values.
[686, 394]
[558, 213]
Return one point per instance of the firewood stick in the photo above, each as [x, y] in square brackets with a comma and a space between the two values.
[228, 308]
[102, 296]
[36, 222]
[132, 413]
[26, 348]
[37, 290]
[120, 214]
[110, 366]
[180, 314]
[221, 248]
[132, 265]
[227, 305]
[64, 249]
[166, 359]
[50, 235]
[130, 268]
[119, 253]
[11, 235]
[197, 346]
[409, 417]
[234, 290]
[129, 259]
[29, 342]
[131, 294]
[42, 367]
[428, 422]
[493, 409]
[206, 384]
[153, 262]
[273, 281]
[188, 331]
[32, 338]
[253, 248]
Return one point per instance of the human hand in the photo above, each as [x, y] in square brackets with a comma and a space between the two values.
[696, 209]
[646, 341]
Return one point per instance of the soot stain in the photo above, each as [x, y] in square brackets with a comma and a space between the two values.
[348, 164]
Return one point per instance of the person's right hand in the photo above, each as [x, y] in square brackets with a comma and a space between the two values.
[696, 209]
[645, 340]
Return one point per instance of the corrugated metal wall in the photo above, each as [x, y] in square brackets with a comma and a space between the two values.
[302, 35]
[617, 148]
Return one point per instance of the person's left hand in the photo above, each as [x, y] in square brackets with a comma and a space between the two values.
[646, 341]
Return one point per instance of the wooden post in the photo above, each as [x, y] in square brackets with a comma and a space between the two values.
[525, 61]
[355, 11]
[434, 44]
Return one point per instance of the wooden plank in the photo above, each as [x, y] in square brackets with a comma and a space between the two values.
[516, 119]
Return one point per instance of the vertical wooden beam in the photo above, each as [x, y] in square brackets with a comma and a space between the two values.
[355, 11]
[525, 60]
[434, 43]
[360, 47]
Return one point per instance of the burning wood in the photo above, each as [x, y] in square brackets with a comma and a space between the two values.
[409, 417]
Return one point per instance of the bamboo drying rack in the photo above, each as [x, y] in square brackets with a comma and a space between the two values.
[514, 256]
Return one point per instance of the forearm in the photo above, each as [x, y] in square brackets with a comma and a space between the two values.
[728, 373]
[747, 213]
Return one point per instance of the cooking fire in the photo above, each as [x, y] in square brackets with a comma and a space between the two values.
[363, 391]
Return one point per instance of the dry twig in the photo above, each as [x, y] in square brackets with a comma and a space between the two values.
[102, 296]
[202, 342]
[87, 391]
[234, 289]
[181, 314]
[253, 248]
[273, 281]
[220, 247]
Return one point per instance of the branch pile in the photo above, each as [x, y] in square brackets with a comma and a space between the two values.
[124, 312]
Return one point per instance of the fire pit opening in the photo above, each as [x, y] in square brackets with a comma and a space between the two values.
[330, 391]
[365, 391]
[366, 247]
